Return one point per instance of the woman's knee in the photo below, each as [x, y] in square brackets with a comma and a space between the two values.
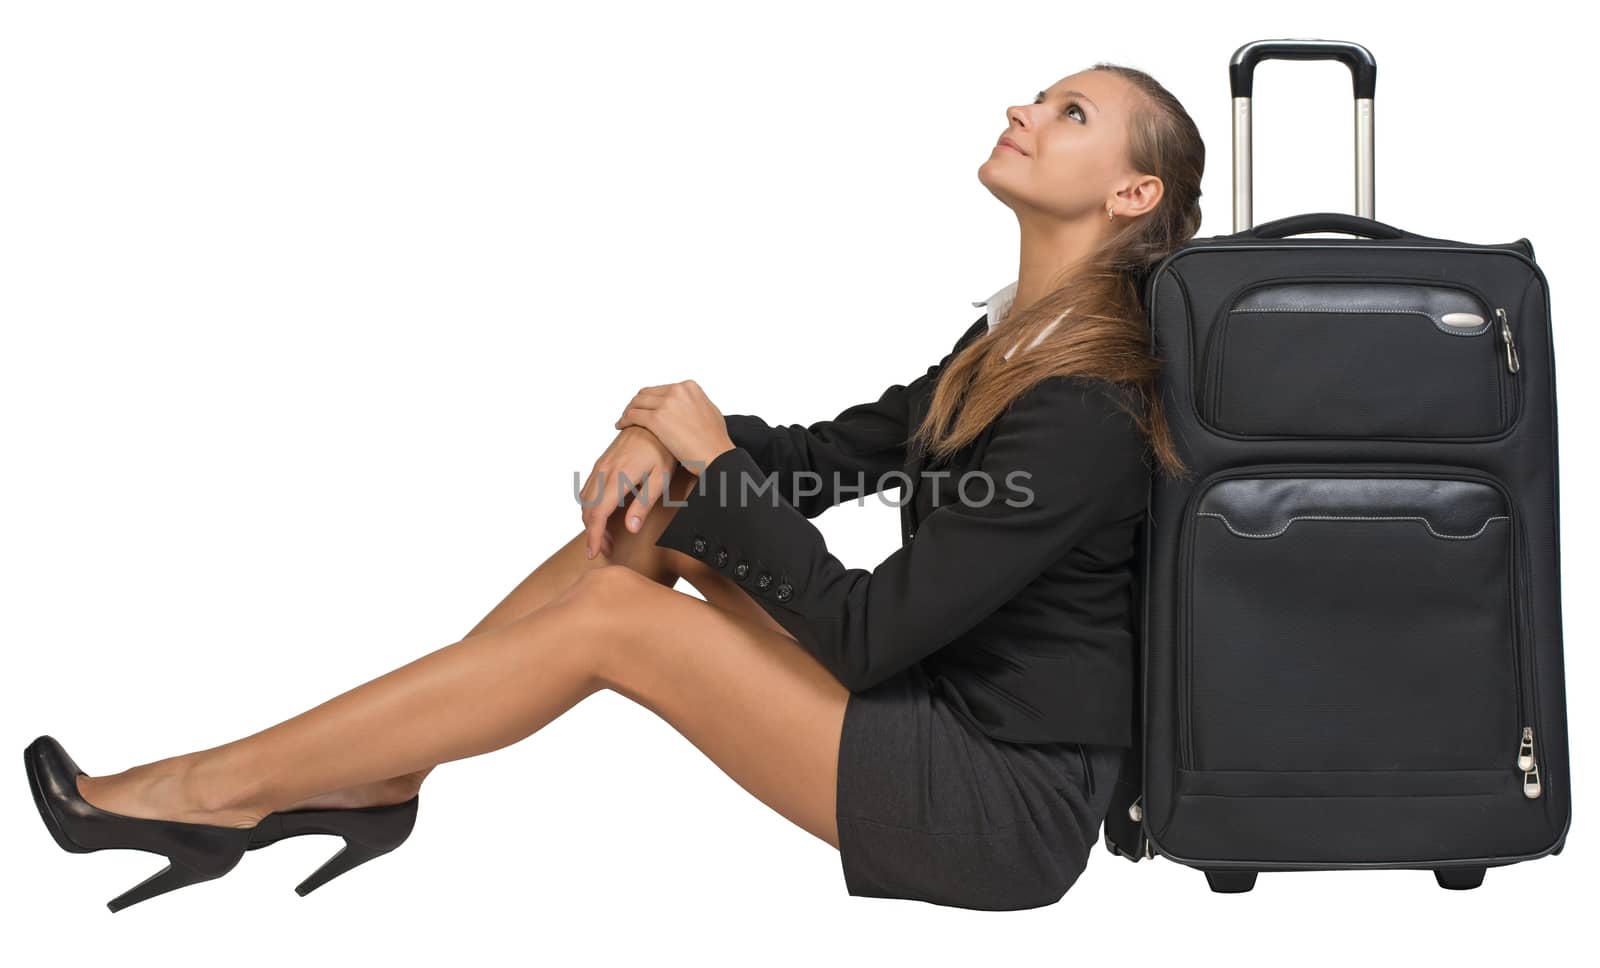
[638, 549]
[603, 586]
[601, 613]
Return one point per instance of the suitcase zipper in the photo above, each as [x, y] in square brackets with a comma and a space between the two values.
[1513, 362]
[1522, 644]
[1527, 678]
[1136, 814]
[1528, 765]
[1511, 390]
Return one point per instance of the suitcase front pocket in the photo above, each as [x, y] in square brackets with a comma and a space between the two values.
[1352, 624]
[1344, 357]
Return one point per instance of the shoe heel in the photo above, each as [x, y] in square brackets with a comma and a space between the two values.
[169, 878]
[352, 856]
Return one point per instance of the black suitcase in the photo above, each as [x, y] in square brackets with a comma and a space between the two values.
[1351, 628]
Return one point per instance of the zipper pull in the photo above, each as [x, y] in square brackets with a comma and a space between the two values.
[1525, 751]
[1529, 766]
[1513, 362]
[1136, 812]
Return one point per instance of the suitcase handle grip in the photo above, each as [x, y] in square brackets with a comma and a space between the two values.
[1327, 222]
[1363, 69]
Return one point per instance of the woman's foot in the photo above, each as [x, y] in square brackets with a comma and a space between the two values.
[163, 790]
[200, 845]
[167, 790]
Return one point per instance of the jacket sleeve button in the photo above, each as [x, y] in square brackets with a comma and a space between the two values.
[763, 580]
[698, 546]
[785, 592]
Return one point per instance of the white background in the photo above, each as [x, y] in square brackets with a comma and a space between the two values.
[312, 310]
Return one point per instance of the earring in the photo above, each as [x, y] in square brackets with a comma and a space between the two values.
[1111, 213]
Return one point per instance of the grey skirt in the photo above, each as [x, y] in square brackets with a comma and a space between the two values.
[931, 809]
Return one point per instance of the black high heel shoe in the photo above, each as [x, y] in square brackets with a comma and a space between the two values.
[368, 832]
[195, 851]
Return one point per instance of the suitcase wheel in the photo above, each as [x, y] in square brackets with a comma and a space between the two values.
[1231, 882]
[1458, 878]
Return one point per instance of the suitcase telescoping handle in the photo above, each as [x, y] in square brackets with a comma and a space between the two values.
[1241, 74]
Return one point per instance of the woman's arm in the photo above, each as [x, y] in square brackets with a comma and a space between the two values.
[1064, 460]
[846, 457]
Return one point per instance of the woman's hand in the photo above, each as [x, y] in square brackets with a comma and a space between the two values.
[647, 463]
[684, 419]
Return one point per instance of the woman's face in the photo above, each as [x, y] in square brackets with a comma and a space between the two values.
[1073, 148]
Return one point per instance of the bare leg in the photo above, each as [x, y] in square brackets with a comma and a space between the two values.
[551, 578]
[740, 691]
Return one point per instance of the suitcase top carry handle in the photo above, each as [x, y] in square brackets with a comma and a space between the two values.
[1241, 75]
[1328, 222]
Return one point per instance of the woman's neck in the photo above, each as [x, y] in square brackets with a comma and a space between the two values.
[1050, 252]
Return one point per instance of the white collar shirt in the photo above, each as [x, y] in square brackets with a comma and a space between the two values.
[1000, 302]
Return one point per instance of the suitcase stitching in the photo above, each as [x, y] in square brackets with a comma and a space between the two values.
[1355, 517]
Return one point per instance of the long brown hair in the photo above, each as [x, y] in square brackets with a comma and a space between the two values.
[1107, 333]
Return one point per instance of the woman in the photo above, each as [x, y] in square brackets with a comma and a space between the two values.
[953, 721]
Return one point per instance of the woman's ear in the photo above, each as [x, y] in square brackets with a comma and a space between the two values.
[1139, 196]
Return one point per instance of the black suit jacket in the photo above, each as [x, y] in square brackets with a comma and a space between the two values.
[1016, 596]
